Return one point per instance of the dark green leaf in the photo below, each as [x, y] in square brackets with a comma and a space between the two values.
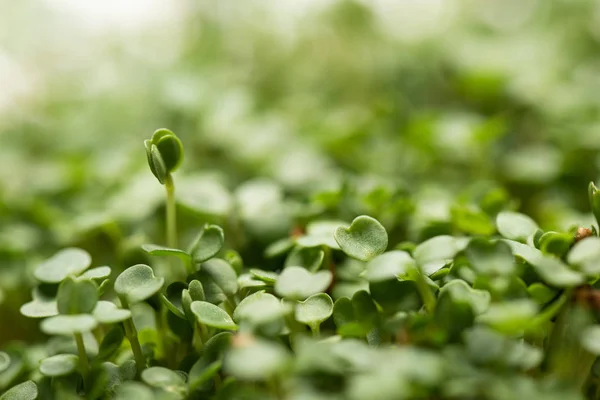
[76, 296]
[208, 243]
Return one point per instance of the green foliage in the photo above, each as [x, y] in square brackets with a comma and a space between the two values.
[364, 211]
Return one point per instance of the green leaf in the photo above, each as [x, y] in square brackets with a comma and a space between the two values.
[297, 283]
[213, 316]
[256, 360]
[163, 378]
[365, 239]
[279, 247]
[76, 296]
[107, 312]
[99, 273]
[490, 258]
[515, 226]
[162, 251]
[24, 391]
[197, 378]
[218, 279]
[320, 233]
[194, 292]
[173, 298]
[40, 307]
[389, 265]
[314, 310]
[590, 339]
[69, 261]
[556, 243]
[170, 148]
[460, 291]
[472, 221]
[541, 293]
[111, 343]
[510, 317]
[552, 270]
[59, 365]
[260, 308]
[137, 283]
[208, 243]
[134, 390]
[585, 254]
[436, 252]
[310, 258]
[265, 276]
[68, 324]
[4, 361]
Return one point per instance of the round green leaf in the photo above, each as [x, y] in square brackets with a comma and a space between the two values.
[297, 283]
[99, 273]
[24, 391]
[314, 310]
[218, 279]
[164, 378]
[260, 308]
[107, 312]
[586, 255]
[590, 339]
[162, 251]
[40, 307]
[137, 283]
[556, 243]
[365, 239]
[4, 361]
[460, 291]
[173, 298]
[541, 293]
[211, 315]
[69, 261]
[170, 148]
[257, 360]
[433, 254]
[515, 226]
[59, 365]
[320, 233]
[388, 265]
[76, 296]
[68, 324]
[208, 243]
[134, 390]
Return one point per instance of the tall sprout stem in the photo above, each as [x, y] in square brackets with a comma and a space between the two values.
[83, 359]
[171, 213]
[132, 337]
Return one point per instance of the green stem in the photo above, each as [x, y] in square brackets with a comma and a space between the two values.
[425, 292]
[83, 359]
[316, 330]
[171, 213]
[132, 336]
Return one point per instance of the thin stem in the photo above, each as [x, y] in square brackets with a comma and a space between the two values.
[171, 213]
[425, 292]
[316, 330]
[83, 359]
[132, 337]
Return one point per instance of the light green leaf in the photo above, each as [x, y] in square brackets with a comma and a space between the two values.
[99, 273]
[4, 361]
[68, 324]
[590, 339]
[490, 258]
[137, 283]
[59, 365]
[208, 243]
[314, 310]
[213, 316]
[310, 258]
[24, 391]
[76, 296]
[515, 226]
[389, 265]
[510, 317]
[320, 233]
[257, 360]
[218, 279]
[298, 284]
[40, 307]
[265, 276]
[586, 255]
[69, 261]
[161, 377]
[134, 390]
[162, 251]
[436, 252]
[260, 308]
[107, 312]
[365, 239]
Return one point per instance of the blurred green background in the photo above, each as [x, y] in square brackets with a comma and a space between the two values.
[412, 111]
